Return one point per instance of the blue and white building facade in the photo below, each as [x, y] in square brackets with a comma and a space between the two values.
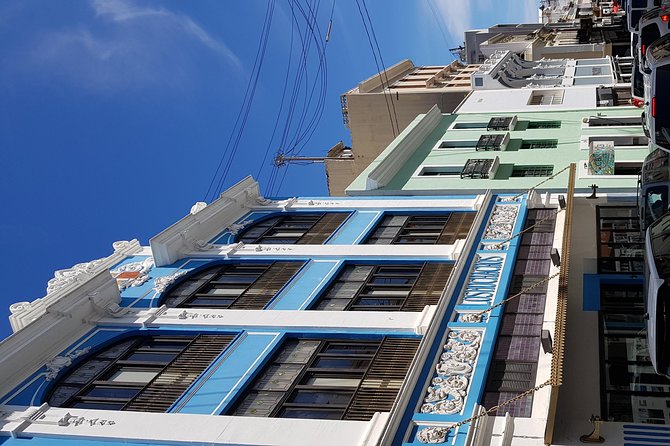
[297, 321]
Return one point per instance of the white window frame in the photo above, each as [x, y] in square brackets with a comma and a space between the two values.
[419, 171]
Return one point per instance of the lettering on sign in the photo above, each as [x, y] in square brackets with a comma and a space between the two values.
[483, 281]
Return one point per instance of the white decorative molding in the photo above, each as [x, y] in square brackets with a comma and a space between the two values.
[193, 232]
[133, 274]
[198, 206]
[64, 277]
[324, 203]
[161, 283]
[74, 420]
[471, 318]
[235, 228]
[450, 384]
[501, 223]
[395, 156]
[432, 435]
[264, 201]
[57, 364]
[66, 281]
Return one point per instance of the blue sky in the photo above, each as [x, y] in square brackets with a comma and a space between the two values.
[114, 114]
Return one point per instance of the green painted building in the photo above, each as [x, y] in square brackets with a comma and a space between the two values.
[472, 152]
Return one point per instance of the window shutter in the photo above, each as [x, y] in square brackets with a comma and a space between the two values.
[382, 382]
[456, 228]
[263, 290]
[178, 376]
[428, 287]
[323, 228]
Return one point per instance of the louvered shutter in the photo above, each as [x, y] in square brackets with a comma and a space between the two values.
[323, 228]
[381, 383]
[266, 287]
[428, 287]
[178, 376]
[456, 228]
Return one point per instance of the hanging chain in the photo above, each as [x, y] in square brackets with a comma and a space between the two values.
[525, 290]
[543, 181]
[555, 213]
[503, 404]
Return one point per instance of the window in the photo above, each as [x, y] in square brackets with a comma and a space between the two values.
[622, 141]
[611, 96]
[615, 121]
[539, 144]
[458, 144]
[620, 242]
[408, 287]
[334, 379]
[428, 229]
[627, 168]
[440, 171]
[143, 373]
[532, 171]
[470, 125]
[295, 228]
[546, 97]
[629, 382]
[248, 286]
[544, 125]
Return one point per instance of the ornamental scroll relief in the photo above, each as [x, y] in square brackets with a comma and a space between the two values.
[501, 223]
[450, 384]
[133, 274]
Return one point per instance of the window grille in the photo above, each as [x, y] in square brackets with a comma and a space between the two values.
[329, 379]
[477, 168]
[532, 171]
[544, 125]
[490, 142]
[239, 285]
[546, 97]
[144, 373]
[428, 229]
[500, 123]
[295, 228]
[407, 287]
[529, 144]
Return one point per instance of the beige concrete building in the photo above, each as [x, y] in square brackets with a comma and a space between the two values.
[379, 108]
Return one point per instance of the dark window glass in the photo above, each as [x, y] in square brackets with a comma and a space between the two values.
[630, 388]
[544, 124]
[300, 228]
[422, 229]
[145, 374]
[532, 171]
[327, 379]
[529, 144]
[386, 287]
[232, 285]
[620, 242]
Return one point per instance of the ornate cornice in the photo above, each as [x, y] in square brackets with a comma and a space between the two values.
[67, 281]
[204, 222]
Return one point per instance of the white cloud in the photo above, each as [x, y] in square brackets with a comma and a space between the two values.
[457, 15]
[127, 46]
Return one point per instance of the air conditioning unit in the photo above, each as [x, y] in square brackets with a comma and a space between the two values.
[493, 142]
[502, 123]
